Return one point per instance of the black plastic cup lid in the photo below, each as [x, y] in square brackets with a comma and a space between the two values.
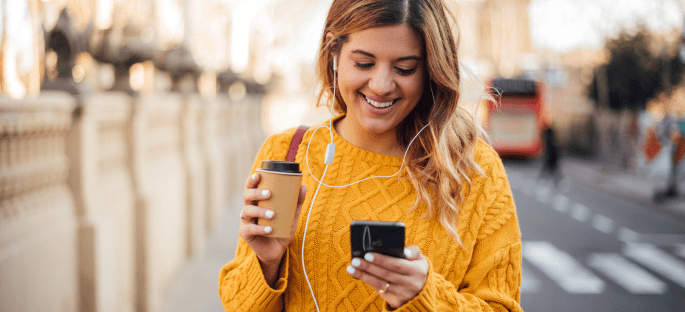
[281, 166]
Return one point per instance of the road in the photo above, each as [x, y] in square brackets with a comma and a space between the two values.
[589, 250]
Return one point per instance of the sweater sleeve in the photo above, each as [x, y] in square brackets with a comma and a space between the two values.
[493, 278]
[242, 286]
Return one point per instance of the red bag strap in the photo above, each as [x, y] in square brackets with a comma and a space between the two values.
[295, 143]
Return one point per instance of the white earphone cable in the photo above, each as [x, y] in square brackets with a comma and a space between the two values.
[309, 213]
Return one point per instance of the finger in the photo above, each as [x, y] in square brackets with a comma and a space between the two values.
[250, 230]
[253, 195]
[252, 181]
[383, 265]
[251, 212]
[412, 253]
[380, 272]
[374, 281]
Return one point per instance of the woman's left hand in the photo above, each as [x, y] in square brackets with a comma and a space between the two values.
[396, 280]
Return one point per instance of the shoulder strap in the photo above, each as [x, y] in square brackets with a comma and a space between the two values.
[295, 143]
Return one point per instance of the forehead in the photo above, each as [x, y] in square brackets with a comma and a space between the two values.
[390, 41]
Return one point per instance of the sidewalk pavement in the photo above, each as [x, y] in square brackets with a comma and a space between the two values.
[196, 286]
[639, 187]
[195, 289]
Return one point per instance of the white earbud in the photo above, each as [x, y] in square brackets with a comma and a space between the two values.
[335, 63]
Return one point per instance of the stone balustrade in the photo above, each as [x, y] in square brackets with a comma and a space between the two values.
[102, 203]
[38, 228]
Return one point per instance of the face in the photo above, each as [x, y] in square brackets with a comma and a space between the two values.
[380, 77]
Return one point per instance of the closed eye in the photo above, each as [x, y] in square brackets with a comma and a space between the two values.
[363, 65]
[405, 72]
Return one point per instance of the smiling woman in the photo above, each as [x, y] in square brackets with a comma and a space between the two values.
[390, 68]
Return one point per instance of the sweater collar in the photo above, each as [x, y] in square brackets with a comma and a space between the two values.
[343, 146]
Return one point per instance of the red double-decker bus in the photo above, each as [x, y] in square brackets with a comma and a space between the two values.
[515, 123]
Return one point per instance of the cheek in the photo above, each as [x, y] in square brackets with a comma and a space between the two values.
[413, 88]
[349, 84]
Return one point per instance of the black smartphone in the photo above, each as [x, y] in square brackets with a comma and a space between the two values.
[377, 236]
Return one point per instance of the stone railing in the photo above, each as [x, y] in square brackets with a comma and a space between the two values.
[110, 199]
[38, 227]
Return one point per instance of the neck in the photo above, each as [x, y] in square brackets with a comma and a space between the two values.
[380, 143]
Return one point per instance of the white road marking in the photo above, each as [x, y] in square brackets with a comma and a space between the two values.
[529, 282]
[561, 203]
[580, 212]
[680, 250]
[562, 268]
[627, 235]
[603, 224]
[662, 239]
[626, 274]
[657, 260]
[543, 193]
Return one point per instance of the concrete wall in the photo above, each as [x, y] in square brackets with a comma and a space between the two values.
[103, 203]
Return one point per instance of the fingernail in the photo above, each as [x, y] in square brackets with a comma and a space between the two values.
[254, 176]
[350, 269]
[265, 193]
[368, 257]
[356, 262]
[267, 229]
[269, 214]
[407, 252]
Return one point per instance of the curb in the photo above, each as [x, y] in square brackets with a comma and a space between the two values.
[629, 185]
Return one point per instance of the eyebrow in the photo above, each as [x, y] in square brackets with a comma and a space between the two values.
[404, 58]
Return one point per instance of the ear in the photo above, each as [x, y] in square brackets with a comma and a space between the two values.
[334, 44]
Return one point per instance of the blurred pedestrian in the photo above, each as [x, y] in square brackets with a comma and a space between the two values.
[406, 150]
[671, 131]
[550, 165]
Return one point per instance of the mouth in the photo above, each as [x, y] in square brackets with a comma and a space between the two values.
[380, 104]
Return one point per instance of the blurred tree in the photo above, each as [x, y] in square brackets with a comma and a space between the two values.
[634, 74]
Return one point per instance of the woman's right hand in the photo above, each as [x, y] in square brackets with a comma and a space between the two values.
[269, 250]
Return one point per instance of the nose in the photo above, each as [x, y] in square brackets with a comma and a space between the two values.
[382, 82]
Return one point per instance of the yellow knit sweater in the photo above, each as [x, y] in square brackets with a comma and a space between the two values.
[483, 275]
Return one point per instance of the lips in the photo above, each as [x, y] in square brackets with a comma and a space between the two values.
[377, 104]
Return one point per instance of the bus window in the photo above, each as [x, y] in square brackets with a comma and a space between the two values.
[516, 121]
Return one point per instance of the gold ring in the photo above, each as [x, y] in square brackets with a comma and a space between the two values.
[385, 289]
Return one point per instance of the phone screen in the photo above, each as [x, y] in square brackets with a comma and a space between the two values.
[377, 236]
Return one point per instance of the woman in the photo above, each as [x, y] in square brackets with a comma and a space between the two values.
[397, 72]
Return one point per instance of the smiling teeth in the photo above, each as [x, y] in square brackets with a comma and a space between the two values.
[379, 104]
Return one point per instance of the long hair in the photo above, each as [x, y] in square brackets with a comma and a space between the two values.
[441, 159]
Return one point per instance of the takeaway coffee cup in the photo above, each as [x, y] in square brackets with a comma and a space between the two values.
[282, 179]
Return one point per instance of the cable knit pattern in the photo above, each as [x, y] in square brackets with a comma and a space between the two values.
[483, 275]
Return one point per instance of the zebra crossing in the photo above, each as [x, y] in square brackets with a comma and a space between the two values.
[639, 268]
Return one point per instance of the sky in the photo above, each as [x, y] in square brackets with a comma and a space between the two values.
[563, 25]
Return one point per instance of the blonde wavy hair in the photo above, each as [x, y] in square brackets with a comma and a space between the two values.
[441, 158]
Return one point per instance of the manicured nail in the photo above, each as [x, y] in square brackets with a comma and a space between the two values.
[254, 176]
[350, 269]
[407, 252]
[356, 262]
[368, 257]
[269, 214]
[267, 229]
[265, 193]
